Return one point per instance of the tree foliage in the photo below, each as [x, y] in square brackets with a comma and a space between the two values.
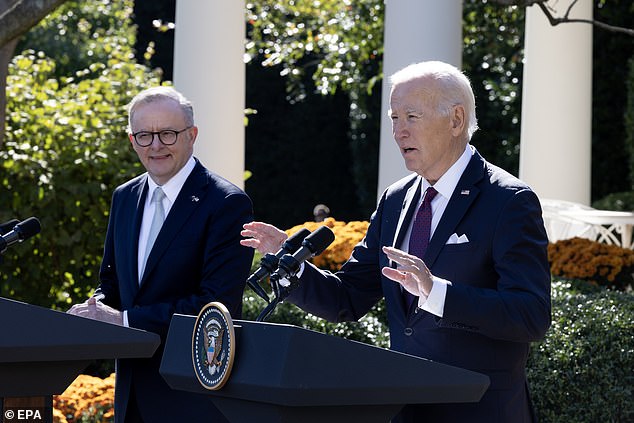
[339, 38]
[492, 58]
[340, 46]
[66, 149]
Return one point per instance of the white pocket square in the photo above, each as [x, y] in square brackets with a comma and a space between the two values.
[455, 239]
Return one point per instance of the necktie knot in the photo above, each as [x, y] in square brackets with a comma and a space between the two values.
[430, 194]
[157, 196]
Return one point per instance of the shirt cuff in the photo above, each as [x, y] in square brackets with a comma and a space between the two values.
[285, 282]
[435, 301]
[125, 319]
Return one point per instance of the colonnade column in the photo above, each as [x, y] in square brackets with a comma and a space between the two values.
[556, 134]
[415, 31]
[209, 70]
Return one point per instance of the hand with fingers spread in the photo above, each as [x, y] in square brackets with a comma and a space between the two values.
[411, 272]
[263, 237]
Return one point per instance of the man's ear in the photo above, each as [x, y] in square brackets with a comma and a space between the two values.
[457, 118]
[131, 138]
[194, 133]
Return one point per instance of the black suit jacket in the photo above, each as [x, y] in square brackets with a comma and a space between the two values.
[197, 258]
[499, 300]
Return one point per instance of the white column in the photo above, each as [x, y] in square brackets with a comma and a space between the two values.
[210, 71]
[415, 31]
[555, 149]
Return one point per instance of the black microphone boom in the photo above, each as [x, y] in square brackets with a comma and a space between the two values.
[269, 262]
[312, 246]
[23, 230]
[8, 226]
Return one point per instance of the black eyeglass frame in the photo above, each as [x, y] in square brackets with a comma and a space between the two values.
[158, 134]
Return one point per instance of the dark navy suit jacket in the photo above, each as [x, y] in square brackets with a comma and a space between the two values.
[197, 258]
[498, 302]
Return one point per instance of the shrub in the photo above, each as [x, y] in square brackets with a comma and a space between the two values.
[66, 149]
[619, 201]
[582, 371]
[580, 258]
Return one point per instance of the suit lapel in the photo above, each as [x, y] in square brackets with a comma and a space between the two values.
[462, 198]
[408, 208]
[139, 192]
[190, 196]
[407, 211]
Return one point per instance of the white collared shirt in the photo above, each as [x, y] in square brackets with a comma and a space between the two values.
[446, 185]
[171, 189]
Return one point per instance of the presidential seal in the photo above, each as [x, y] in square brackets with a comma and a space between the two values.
[213, 346]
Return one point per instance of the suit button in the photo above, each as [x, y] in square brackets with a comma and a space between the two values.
[409, 331]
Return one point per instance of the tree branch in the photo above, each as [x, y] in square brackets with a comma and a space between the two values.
[19, 16]
[554, 21]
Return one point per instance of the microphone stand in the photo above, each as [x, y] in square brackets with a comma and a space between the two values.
[280, 292]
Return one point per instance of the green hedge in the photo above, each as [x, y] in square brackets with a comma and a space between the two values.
[66, 148]
[583, 370]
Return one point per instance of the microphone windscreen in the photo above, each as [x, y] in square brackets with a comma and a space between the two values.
[29, 227]
[319, 240]
[293, 243]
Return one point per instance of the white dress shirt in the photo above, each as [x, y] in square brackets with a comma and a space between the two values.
[171, 189]
[435, 302]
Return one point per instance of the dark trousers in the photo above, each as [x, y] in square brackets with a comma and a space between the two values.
[132, 413]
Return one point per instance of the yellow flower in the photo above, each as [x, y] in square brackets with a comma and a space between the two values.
[85, 397]
[347, 235]
[581, 258]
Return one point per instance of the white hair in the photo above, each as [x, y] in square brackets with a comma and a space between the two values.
[453, 88]
[153, 94]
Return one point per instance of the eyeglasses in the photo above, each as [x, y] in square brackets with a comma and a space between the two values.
[166, 136]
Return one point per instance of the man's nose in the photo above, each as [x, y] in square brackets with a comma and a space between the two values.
[156, 142]
[399, 129]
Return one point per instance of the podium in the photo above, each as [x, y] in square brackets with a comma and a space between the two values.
[42, 351]
[284, 373]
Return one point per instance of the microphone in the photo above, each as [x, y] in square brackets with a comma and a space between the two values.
[269, 262]
[21, 231]
[7, 226]
[312, 246]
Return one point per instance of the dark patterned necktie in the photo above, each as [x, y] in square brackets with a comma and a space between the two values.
[419, 238]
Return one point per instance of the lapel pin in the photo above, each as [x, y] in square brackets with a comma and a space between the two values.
[464, 192]
[194, 199]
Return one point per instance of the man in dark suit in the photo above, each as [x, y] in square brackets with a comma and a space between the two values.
[172, 246]
[463, 240]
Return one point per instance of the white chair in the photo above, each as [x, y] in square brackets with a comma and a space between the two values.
[559, 226]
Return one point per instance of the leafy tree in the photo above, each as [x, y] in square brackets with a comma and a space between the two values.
[16, 17]
[334, 47]
[340, 45]
[66, 149]
[492, 57]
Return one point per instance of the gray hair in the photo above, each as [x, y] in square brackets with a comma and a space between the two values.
[453, 88]
[153, 94]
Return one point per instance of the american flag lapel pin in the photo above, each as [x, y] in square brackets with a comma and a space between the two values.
[464, 192]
